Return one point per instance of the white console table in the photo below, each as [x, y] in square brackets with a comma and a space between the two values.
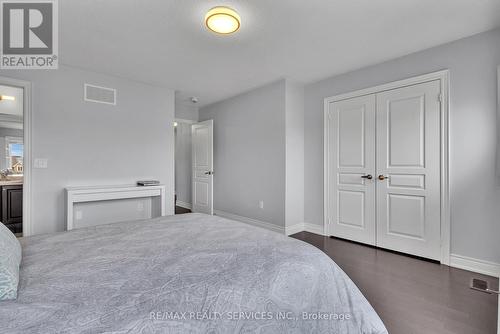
[106, 193]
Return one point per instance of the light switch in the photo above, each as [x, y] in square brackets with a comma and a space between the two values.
[40, 163]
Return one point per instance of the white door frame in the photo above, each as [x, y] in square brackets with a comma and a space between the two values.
[498, 166]
[445, 185]
[185, 121]
[27, 116]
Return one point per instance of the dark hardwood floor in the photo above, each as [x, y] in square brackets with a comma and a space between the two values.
[180, 210]
[412, 295]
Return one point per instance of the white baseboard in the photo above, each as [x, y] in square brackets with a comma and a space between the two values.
[475, 265]
[457, 261]
[250, 221]
[292, 229]
[312, 228]
[184, 205]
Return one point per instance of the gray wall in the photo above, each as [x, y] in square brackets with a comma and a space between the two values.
[249, 153]
[294, 154]
[94, 144]
[475, 196]
[184, 111]
[183, 162]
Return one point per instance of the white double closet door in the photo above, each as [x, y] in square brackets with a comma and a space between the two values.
[384, 169]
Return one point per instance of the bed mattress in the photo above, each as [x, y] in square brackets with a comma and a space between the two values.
[190, 273]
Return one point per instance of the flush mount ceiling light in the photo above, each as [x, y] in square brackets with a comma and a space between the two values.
[222, 20]
[7, 98]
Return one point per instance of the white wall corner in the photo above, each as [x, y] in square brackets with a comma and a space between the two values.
[475, 265]
[294, 157]
[300, 227]
[296, 228]
[313, 228]
[185, 109]
[250, 221]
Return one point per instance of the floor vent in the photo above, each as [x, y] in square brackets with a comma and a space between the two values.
[481, 285]
[99, 94]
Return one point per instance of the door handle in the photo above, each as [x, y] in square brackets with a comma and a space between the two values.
[209, 173]
[382, 177]
[369, 177]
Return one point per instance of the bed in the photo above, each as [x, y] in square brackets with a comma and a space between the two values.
[190, 273]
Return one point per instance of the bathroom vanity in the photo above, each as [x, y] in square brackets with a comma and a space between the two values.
[11, 208]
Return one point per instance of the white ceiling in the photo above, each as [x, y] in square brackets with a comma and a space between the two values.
[164, 42]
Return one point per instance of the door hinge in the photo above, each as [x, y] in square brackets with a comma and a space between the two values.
[440, 98]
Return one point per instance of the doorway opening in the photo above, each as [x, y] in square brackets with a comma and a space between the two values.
[14, 156]
[193, 166]
[182, 157]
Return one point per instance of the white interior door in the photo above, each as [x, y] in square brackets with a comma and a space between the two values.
[202, 148]
[408, 169]
[351, 178]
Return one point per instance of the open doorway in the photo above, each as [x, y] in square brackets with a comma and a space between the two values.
[182, 135]
[193, 166]
[12, 154]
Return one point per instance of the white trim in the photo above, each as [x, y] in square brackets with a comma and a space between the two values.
[182, 120]
[250, 221]
[304, 227]
[498, 149]
[184, 205]
[107, 193]
[27, 117]
[313, 228]
[439, 75]
[292, 229]
[326, 164]
[475, 265]
[443, 76]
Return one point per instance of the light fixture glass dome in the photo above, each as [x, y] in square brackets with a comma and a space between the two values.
[222, 20]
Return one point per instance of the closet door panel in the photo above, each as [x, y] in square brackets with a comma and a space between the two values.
[351, 161]
[408, 169]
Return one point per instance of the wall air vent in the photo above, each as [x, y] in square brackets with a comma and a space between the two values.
[99, 94]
